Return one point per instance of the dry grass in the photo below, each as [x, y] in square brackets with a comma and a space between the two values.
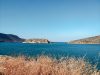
[44, 65]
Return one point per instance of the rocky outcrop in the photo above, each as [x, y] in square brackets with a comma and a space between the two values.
[36, 41]
[10, 38]
[90, 40]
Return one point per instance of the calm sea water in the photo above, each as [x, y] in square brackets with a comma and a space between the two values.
[88, 51]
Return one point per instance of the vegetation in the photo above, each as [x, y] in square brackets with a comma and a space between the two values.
[44, 65]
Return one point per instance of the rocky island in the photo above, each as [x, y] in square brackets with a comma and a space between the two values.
[90, 40]
[36, 41]
[15, 38]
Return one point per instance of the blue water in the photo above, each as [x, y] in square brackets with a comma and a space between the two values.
[88, 51]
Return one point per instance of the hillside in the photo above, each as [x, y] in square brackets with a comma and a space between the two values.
[90, 40]
[9, 38]
[15, 38]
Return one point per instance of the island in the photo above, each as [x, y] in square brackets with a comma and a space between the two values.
[36, 41]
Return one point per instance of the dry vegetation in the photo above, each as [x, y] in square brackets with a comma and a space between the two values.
[44, 65]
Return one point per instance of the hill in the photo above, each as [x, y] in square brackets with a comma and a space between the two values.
[9, 38]
[90, 40]
[15, 38]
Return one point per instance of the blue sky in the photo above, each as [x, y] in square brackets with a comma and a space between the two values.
[56, 20]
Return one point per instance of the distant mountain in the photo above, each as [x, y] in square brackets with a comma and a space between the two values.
[9, 38]
[90, 40]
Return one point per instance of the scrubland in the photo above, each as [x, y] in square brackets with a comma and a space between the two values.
[44, 65]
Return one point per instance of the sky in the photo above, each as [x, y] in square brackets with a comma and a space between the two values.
[56, 20]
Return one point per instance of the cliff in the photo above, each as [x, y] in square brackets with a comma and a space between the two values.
[9, 38]
[90, 40]
[36, 41]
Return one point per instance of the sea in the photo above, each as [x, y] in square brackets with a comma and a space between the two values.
[90, 52]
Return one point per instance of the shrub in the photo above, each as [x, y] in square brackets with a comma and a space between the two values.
[45, 65]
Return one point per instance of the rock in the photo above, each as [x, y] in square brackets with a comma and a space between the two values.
[90, 40]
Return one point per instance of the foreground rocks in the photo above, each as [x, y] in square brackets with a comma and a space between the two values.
[90, 40]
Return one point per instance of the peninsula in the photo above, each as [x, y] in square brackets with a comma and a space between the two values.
[15, 38]
[90, 40]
